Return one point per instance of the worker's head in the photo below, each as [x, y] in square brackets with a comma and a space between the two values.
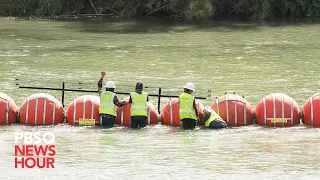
[139, 87]
[189, 88]
[206, 113]
[110, 86]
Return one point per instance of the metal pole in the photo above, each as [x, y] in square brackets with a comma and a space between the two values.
[94, 91]
[159, 97]
[62, 97]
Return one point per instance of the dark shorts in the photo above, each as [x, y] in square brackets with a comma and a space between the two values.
[138, 121]
[108, 120]
[189, 123]
[217, 124]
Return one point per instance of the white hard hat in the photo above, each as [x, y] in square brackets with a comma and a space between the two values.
[110, 84]
[189, 86]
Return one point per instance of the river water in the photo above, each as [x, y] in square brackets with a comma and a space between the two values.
[251, 59]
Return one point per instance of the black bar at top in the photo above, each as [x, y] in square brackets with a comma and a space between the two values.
[92, 91]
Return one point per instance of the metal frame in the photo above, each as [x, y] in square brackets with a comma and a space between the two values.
[63, 89]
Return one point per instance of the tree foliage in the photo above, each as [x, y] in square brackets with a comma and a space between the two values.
[182, 9]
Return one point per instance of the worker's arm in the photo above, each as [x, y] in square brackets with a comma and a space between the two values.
[117, 102]
[126, 101]
[100, 82]
[100, 86]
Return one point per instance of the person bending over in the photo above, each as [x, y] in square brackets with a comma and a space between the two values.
[212, 120]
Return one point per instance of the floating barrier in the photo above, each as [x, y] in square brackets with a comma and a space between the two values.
[170, 114]
[273, 110]
[311, 113]
[234, 109]
[8, 110]
[124, 115]
[41, 109]
[277, 110]
[83, 107]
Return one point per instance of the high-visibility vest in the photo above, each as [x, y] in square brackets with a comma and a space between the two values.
[186, 106]
[139, 104]
[214, 116]
[106, 103]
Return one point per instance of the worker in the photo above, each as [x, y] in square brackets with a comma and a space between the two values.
[108, 102]
[212, 120]
[188, 110]
[139, 106]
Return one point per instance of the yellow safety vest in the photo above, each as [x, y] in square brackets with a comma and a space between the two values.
[139, 104]
[214, 116]
[186, 106]
[106, 103]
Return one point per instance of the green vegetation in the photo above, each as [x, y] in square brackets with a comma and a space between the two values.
[180, 9]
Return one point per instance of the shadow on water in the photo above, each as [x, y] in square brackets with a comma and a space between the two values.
[143, 26]
[154, 25]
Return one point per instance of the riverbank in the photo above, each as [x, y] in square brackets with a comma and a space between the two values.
[173, 9]
[251, 60]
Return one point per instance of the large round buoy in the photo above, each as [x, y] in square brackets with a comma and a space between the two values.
[124, 115]
[86, 107]
[234, 109]
[8, 110]
[311, 113]
[277, 110]
[170, 113]
[41, 109]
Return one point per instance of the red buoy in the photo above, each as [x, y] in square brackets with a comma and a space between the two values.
[277, 110]
[8, 110]
[170, 113]
[234, 109]
[86, 107]
[311, 113]
[124, 115]
[41, 109]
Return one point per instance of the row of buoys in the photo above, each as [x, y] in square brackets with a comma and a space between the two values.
[44, 109]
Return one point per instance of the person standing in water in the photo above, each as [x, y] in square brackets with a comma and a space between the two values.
[139, 106]
[188, 110]
[108, 102]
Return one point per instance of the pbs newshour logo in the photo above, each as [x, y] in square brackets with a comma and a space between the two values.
[34, 150]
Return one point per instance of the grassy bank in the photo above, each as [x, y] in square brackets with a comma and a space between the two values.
[177, 9]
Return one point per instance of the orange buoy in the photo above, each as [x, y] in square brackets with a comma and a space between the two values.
[277, 110]
[8, 110]
[200, 108]
[86, 107]
[41, 109]
[311, 114]
[124, 115]
[234, 109]
[171, 113]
